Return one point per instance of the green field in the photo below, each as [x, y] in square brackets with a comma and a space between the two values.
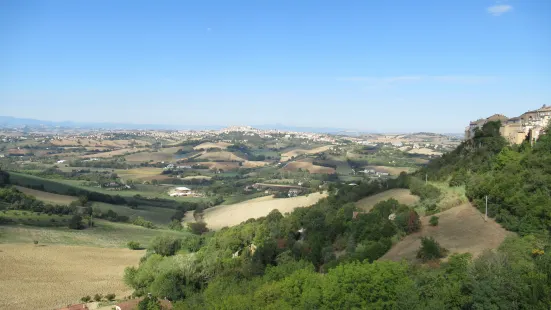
[103, 234]
[35, 219]
[157, 215]
[65, 187]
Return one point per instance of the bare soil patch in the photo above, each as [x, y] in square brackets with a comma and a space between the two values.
[461, 229]
[402, 195]
[47, 277]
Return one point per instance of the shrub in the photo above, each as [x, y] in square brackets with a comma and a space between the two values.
[165, 245]
[133, 245]
[198, 228]
[35, 242]
[98, 297]
[76, 222]
[86, 299]
[430, 249]
[433, 220]
[110, 297]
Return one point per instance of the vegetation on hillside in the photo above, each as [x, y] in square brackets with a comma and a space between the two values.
[277, 262]
[516, 179]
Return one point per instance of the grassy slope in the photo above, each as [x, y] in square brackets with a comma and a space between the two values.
[53, 276]
[461, 229]
[159, 216]
[104, 234]
[47, 197]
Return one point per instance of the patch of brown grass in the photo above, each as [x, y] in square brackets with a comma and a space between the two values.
[46, 277]
[460, 229]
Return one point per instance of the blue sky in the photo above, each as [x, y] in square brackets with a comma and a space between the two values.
[370, 65]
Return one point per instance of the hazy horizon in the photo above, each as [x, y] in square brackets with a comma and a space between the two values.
[397, 66]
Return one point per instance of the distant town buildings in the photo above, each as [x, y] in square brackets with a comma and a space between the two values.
[529, 125]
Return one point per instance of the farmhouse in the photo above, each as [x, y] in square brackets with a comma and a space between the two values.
[183, 192]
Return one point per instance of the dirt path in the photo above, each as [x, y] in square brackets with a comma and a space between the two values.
[461, 229]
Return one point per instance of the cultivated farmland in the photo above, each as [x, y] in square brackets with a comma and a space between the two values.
[52, 276]
[210, 145]
[220, 156]
[231, 215]
[286, 156]
[306, 165]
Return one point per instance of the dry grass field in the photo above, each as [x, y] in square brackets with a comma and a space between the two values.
[286, 156]
[223, 155]
[47, 197]
[306, 165]
[461, 229]
[53, 276]
[209, 145]
[231, 215]
[254, 164]
[402, 195]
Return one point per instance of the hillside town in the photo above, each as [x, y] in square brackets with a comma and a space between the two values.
[528, 126]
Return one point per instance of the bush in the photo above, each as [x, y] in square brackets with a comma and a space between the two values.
[110, 297]
[133, 245]
[166, 245]
[430, 249]
[98, 297]
[86, 299]
[76, 222]
[198, 228]
[433, 220]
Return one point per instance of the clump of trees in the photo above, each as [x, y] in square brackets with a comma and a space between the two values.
[133, 245]
[430, 249]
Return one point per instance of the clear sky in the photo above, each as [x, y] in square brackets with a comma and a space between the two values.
[372, 65]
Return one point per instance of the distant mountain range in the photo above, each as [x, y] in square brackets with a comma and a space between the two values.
[15, 122]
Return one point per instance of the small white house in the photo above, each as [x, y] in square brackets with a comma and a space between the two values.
[181, 191]
[61, 161]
